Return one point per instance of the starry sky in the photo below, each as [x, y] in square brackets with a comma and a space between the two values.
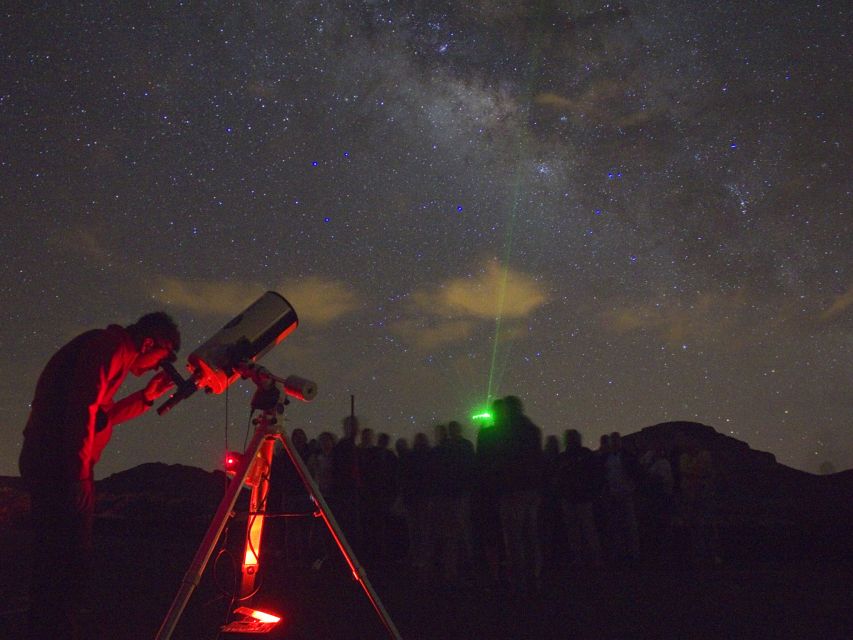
[624, 213]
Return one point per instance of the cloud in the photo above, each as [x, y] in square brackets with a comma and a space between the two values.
[87, 242]
[207, 297]
[320, 300]
[493, 291]
[604, 102]
[316, 299]
[591, 103]
[707, 315]
[839, 305]
[454, 310]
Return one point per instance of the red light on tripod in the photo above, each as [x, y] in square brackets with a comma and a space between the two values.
[232, 460]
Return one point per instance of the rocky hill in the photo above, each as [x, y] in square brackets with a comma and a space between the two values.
[765, 509]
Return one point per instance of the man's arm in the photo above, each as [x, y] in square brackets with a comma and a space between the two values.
[87, 381]
[138, 402]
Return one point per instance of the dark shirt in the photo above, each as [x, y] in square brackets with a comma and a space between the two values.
[579, 477]
[346, 474]
[379, 474]
[416, 476]
[453, 467]
[73, 411]
[520, 466]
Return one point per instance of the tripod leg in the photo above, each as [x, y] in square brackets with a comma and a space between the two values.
[339, 538]
[255, 525]
[226, 506]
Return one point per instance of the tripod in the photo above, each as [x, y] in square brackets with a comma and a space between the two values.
[253, 470]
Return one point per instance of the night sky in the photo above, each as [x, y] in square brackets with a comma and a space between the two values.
[624, 213]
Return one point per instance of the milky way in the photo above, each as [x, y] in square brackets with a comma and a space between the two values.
[622, 213]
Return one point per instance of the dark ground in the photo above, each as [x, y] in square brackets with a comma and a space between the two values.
[139, 571]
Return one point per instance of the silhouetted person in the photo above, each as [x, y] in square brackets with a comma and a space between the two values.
[289, 496]
[698, 502]
[521, 482]
[71, 420]
[401, 447]
[415, 480]
[366, 439]
[599, 507]
[379, 477]
[459, 442]
[658, 503]
[320, 466]
[485, 510]
[440, 434]
[346, 481]
[320, 463]
[550, 515]
[453, 475]
[363, 455]
[603, 446]
[620, 475]
[401, 517]
[579, 481]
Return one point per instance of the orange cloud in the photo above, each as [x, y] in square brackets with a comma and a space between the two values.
[493, 291]
[320, 300]
[456, 309]
[602, 102]
[707, 314]
[315, 299]
[839, 305]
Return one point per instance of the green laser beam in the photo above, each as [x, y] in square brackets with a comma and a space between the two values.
[521, 141]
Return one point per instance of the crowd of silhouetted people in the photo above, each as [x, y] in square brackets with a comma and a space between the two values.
[508, 509]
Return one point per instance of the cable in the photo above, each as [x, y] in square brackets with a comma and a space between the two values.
[232, 595]
[226, 416]
[248, 426]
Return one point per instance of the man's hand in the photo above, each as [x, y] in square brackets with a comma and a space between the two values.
[157, 386]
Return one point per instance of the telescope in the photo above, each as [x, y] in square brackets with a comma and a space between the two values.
[232, 352]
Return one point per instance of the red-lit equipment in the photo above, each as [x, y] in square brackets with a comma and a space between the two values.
[231, 354]
[232, 459]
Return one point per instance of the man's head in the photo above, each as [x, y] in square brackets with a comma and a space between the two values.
[299, 439]
[514, 406]
[383, 440]
[401, 446]
[454, 430]
[572, 439]
[440, 433]
[327, 442]
[157, 338]
[615, 442]
[421, 442]
[499, 412]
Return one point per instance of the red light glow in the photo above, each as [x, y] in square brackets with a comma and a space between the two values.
[260, 616]
[252, 621]
[253, 545]
[232, 460]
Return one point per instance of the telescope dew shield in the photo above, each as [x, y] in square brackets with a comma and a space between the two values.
[265, 323]
[300, 388]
